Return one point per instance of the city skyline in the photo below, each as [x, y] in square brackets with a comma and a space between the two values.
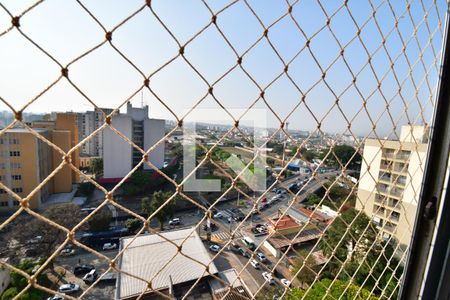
[108, 79]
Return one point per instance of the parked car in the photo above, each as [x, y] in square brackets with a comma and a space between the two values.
[285, 282]
[90, 277]
[214, 248]
[67, 252]
[261, 256]
[82, 269]
[109, 246]
[69, 288]
[175, 221]
[275, 190]
[268, 277]
[35, 240]
[254, 263]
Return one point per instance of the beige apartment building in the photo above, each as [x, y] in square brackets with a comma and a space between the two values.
[391, 180]
[25, 160]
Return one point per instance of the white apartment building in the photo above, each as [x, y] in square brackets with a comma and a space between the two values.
[119, 157]
[391, 180]
[87, 123]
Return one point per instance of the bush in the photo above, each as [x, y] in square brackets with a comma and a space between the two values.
[100, 221]
[133, 224]
[86, 188]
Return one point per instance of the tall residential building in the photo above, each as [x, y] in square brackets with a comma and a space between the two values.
[25, 160]
[390, 182]
[119, 157]
[87, 123]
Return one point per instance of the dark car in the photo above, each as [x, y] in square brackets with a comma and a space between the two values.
[243, 252]
[213, 227]
[82, 269]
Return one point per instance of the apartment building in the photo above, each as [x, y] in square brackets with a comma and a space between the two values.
[87, 123]
[119, 157]
[25, 160]
[390, 182]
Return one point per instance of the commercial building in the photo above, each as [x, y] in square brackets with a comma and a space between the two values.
[390, 181]
[25, 160]
[119, 157]
[87, 123]
[157, 258]
[287, 231]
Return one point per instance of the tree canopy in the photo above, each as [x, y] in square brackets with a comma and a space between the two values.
[158, 199]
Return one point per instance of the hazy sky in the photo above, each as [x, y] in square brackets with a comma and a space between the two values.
[65, 30]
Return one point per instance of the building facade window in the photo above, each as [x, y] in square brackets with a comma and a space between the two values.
[15, 165]
[17, 190]
[2, 191]
[14, 153]
[16, 177]
[4, 203]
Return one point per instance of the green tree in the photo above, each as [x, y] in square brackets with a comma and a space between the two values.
[327, 289]
[347, 156]
[133, 224]
[312, 199]
[19, 282]
[305, 270]
[159, 199]
[140, 179]
[96, 167]
[101, 220]
[86, 188]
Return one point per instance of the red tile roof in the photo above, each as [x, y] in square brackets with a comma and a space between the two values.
[284, 223]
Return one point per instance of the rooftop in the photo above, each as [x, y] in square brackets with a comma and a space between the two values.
[24, 130]
[286, 240]
[152, 257]
[284, 222]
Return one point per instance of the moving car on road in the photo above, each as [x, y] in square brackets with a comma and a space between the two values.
[261, 256]
[254, 263]
[285, 282]
[268, 277]
[69, 288]
[243, 252]
[214, 248]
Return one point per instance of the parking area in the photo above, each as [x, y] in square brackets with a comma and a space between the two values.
[64, 273]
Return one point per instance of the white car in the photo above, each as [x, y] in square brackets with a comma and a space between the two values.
[214, 248]
[69, 288]
[90, 277]
[261, 256]
[109, 246]
[268, 277]
[285, 282]
[218, 215]
[175, 221]
[67, 252]
[56, 297]
[254, 263]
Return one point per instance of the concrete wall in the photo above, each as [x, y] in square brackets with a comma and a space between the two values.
[271, 249]
[62, 181]
[5, 278]
[368, 177]
[117, 153]
[154, 131]
[68, 121]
